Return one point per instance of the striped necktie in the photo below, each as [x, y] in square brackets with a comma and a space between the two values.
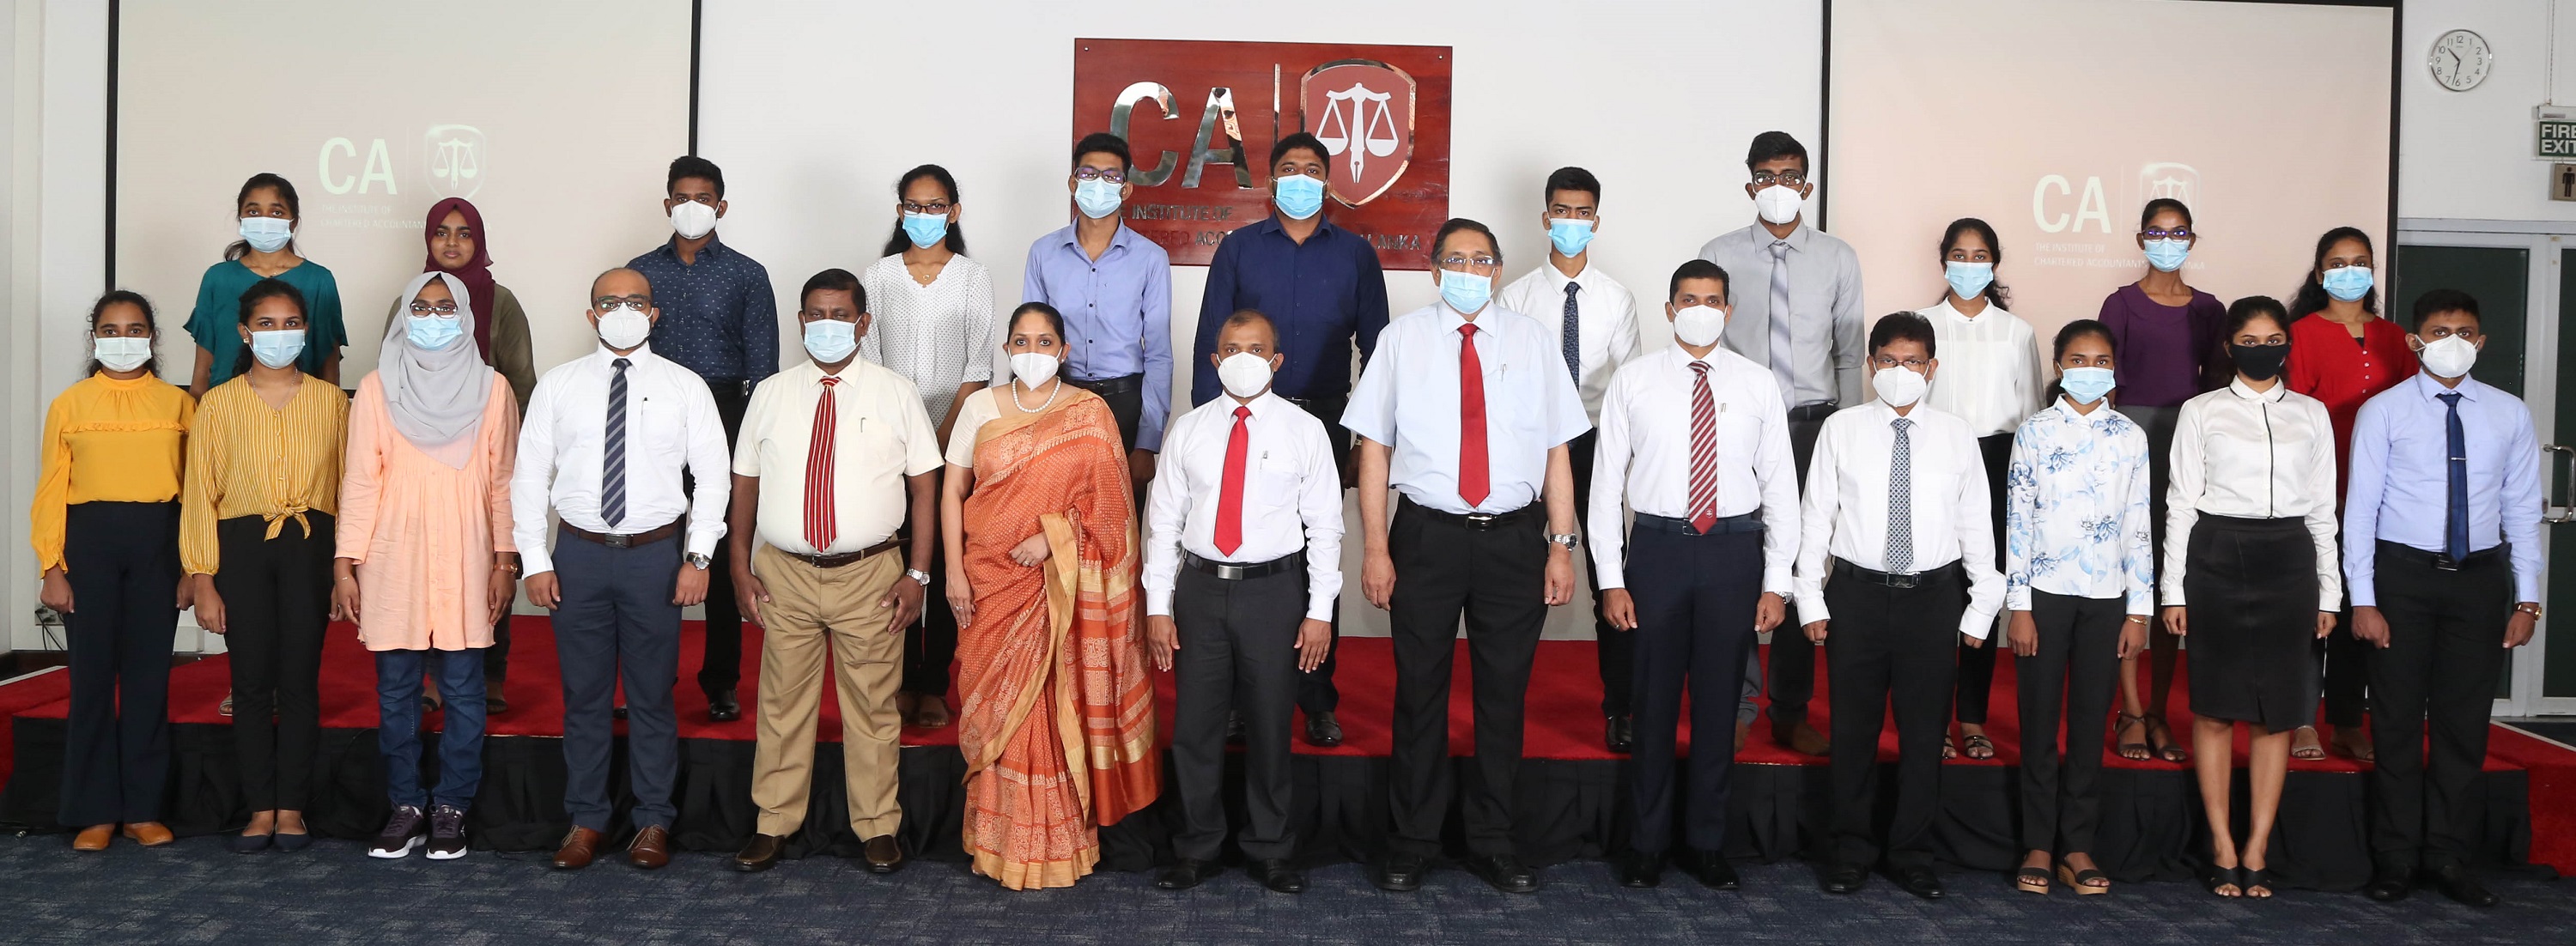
[612, 458]
[821, 526]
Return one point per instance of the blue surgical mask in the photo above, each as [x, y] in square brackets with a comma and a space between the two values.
[925, 230]
[267, 234]
[1968, 279]
[431, 333]
[830, 340]
[277, 349]
[2167, 255]
[1570, 236]
[2087, 385]
[2347, 283]
[1465, 292]
[1097, 197]
[1300, 196]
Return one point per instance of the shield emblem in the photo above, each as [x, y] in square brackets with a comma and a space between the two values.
[2169, 179]
[453, 157]
[1362, 110]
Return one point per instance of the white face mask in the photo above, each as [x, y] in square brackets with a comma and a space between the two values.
[692, 220]
[623, 329]
[1698, 325]
[1244, 374]
[1778, 203]
[124, 353]
[2449, 357]
[1032, 368]
[1899, 386]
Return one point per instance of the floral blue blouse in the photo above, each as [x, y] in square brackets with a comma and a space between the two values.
[2076, 520]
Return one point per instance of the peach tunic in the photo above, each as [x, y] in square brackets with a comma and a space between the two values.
[423, 533]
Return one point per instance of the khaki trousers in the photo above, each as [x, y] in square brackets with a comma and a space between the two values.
[813, 617]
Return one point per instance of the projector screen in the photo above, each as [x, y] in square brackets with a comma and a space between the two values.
[2056, 122]
[558, 120]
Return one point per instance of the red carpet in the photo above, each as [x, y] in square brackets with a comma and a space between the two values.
[51, 685]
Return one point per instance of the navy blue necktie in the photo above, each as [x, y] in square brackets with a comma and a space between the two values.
[2455, 528]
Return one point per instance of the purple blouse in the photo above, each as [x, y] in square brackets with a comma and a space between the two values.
[2164, 351]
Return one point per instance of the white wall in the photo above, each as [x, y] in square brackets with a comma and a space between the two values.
[2466, 155]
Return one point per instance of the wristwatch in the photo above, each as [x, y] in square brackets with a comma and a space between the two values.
[2529, 608]
[1569, 540]
[701, 562]
[918, 575]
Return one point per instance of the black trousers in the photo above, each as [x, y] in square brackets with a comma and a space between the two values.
[122, 560]
[930, 644]
[1238, 656]
[1695, 598]
[1613, 646]
[1792, 670]
[1315, 692]
[2438, 672]
[277, 600]
[2077, 671]
[2345, 668]
[1884, 644]
[1977, 664]
[1446, 569]
[722, 669]
[1127, 407]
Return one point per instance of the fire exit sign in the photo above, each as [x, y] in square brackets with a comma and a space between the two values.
[2554, 133]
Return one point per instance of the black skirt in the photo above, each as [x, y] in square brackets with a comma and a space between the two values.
[2252, 584]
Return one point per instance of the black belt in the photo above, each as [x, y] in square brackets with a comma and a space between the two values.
[2439, 561]
[1105, 387]
[1806, 413]
[1729, 525]
[1949, 572]
[627, 541]
[1231, 571]
[1479, 521]
[843, 558]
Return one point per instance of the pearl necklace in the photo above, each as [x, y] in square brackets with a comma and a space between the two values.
[1050, 401]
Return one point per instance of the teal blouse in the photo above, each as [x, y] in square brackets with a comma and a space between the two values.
[216, 320]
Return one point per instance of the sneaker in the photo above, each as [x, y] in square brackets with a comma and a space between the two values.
[446, 833]
[402, 833]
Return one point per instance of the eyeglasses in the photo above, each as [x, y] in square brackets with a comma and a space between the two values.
[1789, 178]
[936, 207]
[1914, 364]
[2177, 233]
[1462, 262]
[1088, 173]
[444, 310]
[608, 304]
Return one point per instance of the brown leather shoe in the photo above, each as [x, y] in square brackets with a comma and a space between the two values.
[94, 837]
[759, 855]
[651, 849]
[579, 848]
[883, 855]
[148, 833]
[1804, 738]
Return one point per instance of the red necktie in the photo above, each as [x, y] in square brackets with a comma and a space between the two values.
[820, 528]
[1229, 497]
[1703, 462]
[1473, 482]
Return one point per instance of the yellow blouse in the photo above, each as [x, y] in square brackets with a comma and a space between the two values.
[106, 441]
[246, 458]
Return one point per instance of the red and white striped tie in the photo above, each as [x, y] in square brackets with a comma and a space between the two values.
[820, 526]
[1703, 462]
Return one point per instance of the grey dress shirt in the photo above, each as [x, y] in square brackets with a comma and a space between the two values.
[1827, 330]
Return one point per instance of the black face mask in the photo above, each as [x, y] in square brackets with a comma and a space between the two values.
[2260, 362]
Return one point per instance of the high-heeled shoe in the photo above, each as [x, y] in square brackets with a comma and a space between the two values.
[2082, 881]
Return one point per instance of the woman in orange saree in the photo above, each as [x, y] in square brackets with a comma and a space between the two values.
[1057, 715]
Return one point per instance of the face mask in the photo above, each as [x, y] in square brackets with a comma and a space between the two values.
[1032, 368]
[830, 340]
[925, 230]
[622, 329]
[121, 354]
[2449, 357]
[1465, 292]
[2347, 283]
[1570, 236]
[1778, 204]
[2166, 255]
[1968, 279]
[1300, 196]
[277, 349]
[1899, 386]
[692, 220]
[2087, 385]
[2259, 362]
[1097, 197]
[1244, 374]
[267, 234]
[1697, 326]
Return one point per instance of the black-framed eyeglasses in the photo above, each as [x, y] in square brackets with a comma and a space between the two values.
[935, 208]
[444, 310]
[1089, 173]
[607, 304]
[1790, 178]
[1462, 262]
[1883, 361]
[2177, 233]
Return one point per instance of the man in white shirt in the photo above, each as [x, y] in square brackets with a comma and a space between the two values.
[1243, 561]
[1466, 409]
[604, 445]
[1896, 514]
[1594, 320]
[1696, 441]
[847, 453]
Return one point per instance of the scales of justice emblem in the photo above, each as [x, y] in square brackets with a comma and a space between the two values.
[455, 159]
[1363, 111]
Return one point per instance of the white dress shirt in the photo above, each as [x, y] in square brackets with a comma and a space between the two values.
[1644, 456]
[2076, 518]
[880, 434]
[1408, 400]
[2246, 454]
[1605, 322]
[1292, 497]
[671, 422]
[937, 336]
[1847, 503]
[1992, 370]
[2401, 480]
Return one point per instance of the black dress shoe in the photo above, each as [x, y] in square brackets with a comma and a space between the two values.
[1845, 878]
[1279, 875]
[2390, 884]
[1620, 732]
[1505, 872]
[1187, 873]
[1713, 871]
[1401, 873]
[759, 855]
[1919, 881]
[1323, 730]
[723, 707]
[2455, 882]
[1639, 870]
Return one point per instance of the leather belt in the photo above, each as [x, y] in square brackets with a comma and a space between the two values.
[1806, 413]
[1479, 521]
[1108, 386]
[1729, 525]
[2439, 561]
[838, 559]
[1949, 572]
[623, 541]
[1231, 571]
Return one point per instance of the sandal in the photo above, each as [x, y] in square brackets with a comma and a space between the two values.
[1980, 747]
[1949, 748]
[2132, 751]
[2160, 735]
[2213, 877]
[225, 708]
[2032, 880]
[2257, 878]
[934, 712]
[2304, 745]
[2083, 881]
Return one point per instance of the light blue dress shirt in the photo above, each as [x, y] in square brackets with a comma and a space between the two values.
[1118, 310]
[1408, 400]
[2401, 475]
[2076, 519]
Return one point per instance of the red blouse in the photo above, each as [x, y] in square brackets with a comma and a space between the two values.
[2328, 364]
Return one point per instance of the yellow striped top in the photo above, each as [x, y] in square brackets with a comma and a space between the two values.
[246, 458]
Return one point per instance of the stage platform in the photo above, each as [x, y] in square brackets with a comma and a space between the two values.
[1572, 804]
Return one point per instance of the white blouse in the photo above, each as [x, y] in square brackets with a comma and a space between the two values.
[1992, 371]
[937, 336]
[2246, 454]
